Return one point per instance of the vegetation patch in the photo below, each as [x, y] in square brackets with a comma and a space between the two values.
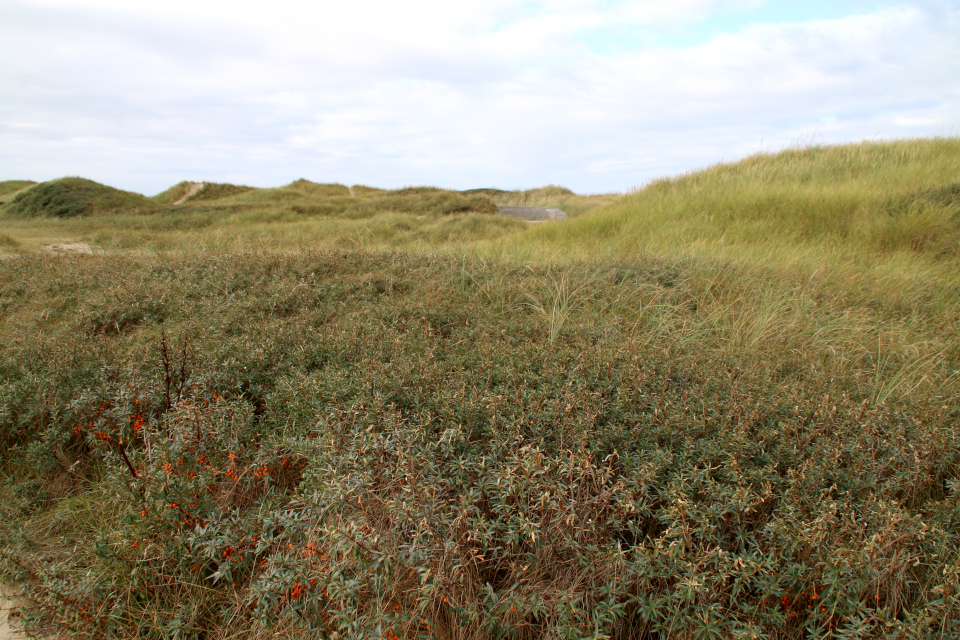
[427, 201]
[947, 196]
[216, 191]
[322, 190]
[353, 443]
[71, 197]
[312, 199]
[8, 242]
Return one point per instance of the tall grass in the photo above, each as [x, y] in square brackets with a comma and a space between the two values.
[858, 202]
[867, 235]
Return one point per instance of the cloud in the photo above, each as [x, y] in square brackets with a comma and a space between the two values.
[497, 93]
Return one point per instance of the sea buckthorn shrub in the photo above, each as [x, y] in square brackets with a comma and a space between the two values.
[353, 445]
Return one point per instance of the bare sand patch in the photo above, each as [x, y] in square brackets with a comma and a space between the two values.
[70, 247]
[9, 609]
[192, 190]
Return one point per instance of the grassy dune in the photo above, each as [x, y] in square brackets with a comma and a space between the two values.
[724, 406]
[856, 200]
[873, 219]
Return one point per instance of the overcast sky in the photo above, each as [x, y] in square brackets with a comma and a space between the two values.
[596, 95]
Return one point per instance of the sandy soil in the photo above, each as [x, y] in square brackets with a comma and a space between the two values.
[71, 247]
[8, 610]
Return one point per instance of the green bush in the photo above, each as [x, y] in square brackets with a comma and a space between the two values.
[72, 197]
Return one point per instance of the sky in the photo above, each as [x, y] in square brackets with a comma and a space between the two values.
[595, 95]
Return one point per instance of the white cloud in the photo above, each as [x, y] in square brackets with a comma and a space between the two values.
[457, 94]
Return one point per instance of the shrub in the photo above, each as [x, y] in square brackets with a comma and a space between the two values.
[404, 446]
[72, 197]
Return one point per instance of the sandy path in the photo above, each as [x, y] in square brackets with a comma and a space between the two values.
[194, 187]
[70, 247]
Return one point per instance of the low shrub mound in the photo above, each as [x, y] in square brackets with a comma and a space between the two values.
[72, 197]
